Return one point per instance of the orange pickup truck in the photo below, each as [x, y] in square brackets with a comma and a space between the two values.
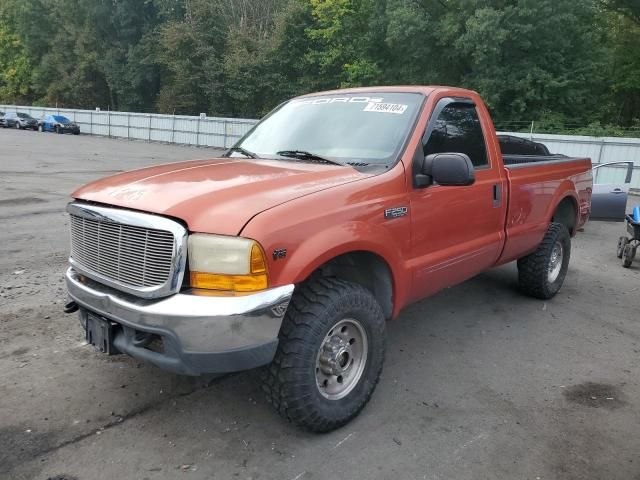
[293, 249]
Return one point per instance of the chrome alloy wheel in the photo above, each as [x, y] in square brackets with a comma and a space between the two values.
[341, 359]
[555, 262]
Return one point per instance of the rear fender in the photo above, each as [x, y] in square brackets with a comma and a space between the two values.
[567, 189]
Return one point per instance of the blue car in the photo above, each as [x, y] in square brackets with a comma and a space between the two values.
[58, 124]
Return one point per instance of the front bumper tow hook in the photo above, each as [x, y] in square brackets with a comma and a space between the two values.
[70, 307]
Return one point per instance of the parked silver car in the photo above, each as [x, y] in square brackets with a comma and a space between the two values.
[20, 121]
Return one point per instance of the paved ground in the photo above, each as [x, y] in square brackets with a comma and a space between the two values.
[480, 382]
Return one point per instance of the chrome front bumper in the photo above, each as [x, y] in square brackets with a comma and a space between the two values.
[200, 334]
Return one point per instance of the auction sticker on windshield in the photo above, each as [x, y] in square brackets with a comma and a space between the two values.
[386, 108]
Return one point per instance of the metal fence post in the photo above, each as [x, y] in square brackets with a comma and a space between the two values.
[91, 122]
[173, 127]
[109, 123]
[128, 125]
[224, 142]
[149, 137]
[198, 133]
[601, 150]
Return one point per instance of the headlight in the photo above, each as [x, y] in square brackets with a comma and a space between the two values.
[229, 264]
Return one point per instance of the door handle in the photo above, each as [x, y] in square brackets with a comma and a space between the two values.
[617, 190]
[497, 195]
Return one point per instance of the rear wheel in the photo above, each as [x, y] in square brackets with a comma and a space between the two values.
[329, 357]
[17, 125]
[41, 128]
[622, 242]
[628, 254]
[542, 273]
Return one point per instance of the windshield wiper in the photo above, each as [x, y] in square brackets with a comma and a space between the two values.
[304, 155]
[243, 151]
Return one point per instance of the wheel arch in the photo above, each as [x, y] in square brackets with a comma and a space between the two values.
[367, 269]
[566, 213]
[362, 262]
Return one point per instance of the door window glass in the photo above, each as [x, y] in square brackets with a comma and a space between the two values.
[458, 130]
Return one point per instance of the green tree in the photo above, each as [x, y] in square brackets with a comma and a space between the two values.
[624, 40]
[16, 70]
[529, 56]
[576, 63]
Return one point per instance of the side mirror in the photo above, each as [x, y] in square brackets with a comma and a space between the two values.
[446, 169]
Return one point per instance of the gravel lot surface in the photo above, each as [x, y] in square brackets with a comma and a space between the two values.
[480, 382]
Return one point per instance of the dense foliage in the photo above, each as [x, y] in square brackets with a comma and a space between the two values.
[564, 64]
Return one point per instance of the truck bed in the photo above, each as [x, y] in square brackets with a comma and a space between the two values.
[534, 183]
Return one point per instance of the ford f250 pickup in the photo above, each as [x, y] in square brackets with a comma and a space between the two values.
[293, 249]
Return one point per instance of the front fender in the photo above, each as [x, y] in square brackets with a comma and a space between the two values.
[338, 240]
[355, 236]
[303, 234]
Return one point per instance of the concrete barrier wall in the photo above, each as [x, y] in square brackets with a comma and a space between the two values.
[182, 129]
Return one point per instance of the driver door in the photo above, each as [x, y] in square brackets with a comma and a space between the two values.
[457, 231]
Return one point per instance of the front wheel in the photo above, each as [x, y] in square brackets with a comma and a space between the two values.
[58, 130]
[41, 128]
[542, 273]
[622, 242]
[329, 356]
[17, 125]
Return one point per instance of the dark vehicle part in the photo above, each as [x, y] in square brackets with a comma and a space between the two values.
[627, 247]
[512, 145]
[628, 254]
[622, 242]
[243, 151]
[70, 307]
[304, 155]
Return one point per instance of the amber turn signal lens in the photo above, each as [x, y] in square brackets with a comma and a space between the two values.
[237, 283]
[257, 263]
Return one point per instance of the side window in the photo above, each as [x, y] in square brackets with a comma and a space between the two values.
[458, 130]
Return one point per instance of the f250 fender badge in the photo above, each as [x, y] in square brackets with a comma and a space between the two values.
[396, 212]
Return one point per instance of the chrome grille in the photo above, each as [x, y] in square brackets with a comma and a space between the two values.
[133, 256]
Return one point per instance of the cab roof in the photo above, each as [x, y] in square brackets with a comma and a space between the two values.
[425, 90]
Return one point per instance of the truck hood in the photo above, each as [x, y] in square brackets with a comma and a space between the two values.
[219, 195]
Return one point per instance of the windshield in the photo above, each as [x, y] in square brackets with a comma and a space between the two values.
[24, 115]
[367, 128]
[61, 119]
